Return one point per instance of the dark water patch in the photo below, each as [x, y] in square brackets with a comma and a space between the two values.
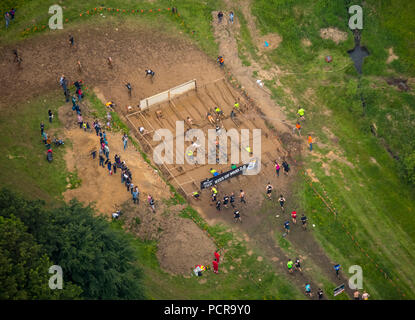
[357, 55]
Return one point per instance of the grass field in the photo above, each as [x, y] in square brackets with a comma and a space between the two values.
[363, 182]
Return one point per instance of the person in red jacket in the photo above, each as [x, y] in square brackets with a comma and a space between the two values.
[217, 256]
[215, 266]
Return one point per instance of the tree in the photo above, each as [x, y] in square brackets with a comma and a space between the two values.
[92, 255]
[24, 267]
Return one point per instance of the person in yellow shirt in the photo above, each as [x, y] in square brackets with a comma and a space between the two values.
[301, 112]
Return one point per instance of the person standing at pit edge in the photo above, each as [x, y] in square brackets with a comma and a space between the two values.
[215, 266]
[217, 256]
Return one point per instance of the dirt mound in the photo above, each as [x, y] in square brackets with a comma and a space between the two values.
[334, 34]
[392, 56]
[183, 245]
[97, 185]
[272, 39]
[402, 84]
[306, 42]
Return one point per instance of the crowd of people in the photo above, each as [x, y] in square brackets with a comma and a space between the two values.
[104, 150]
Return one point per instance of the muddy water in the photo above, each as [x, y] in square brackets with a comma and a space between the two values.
[358, 53]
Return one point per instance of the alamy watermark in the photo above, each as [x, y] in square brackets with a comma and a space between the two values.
[356, 20]
[56, 281]
[56, 21]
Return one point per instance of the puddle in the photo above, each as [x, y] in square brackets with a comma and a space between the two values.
[358, 53]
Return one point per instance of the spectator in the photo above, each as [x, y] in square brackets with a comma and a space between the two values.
[7, 18]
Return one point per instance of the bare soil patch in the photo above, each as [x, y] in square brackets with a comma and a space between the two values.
[392, 56]
[333, 34]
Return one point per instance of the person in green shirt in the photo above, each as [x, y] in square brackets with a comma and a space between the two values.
[301, 112]
[290, 265]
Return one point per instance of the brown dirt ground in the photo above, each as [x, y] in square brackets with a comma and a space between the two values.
[97, 185]
[334, 34]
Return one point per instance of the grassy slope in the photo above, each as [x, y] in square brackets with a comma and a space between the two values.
[23, 155]
[377, 210]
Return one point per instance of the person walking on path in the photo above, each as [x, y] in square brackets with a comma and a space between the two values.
[365, 295]
[109, 166]
[42, 128]
[304, 221]
[232, 200]
[237, 216]
[277, 168]
[125, 140]
[286, 167]
[225, 201]
[73, 102]
[269, 188]
[320, 294]
[50, 115]
[308, 289]
[80, 120]
[107, 151]
[310, 142]
[114, 167]
[71, 41]
[218, 205]
[231, 17]
[128, 85]
[135, 195]
[337, 269]
[220, 16]
[217, 256]
[151, 203]
[287, 226]
[215, 266]
[101, 160]
[281, 200]
[242, 196]
[294, 217]
[298, 126]
[297, 265]
[7, 18]
[12, 12]
[301, 112]
[356, 295]
[290, 265]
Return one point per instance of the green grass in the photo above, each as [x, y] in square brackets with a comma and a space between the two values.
[377, 210]
[240, 282]
[23, 155]
[375, 205]
[193, 20]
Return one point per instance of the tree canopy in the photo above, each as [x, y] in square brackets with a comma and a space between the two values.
[92, 255]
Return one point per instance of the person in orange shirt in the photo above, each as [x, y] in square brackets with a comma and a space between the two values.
[310, 141]
[298, 126]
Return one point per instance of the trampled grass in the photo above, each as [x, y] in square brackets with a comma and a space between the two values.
[23, 161]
